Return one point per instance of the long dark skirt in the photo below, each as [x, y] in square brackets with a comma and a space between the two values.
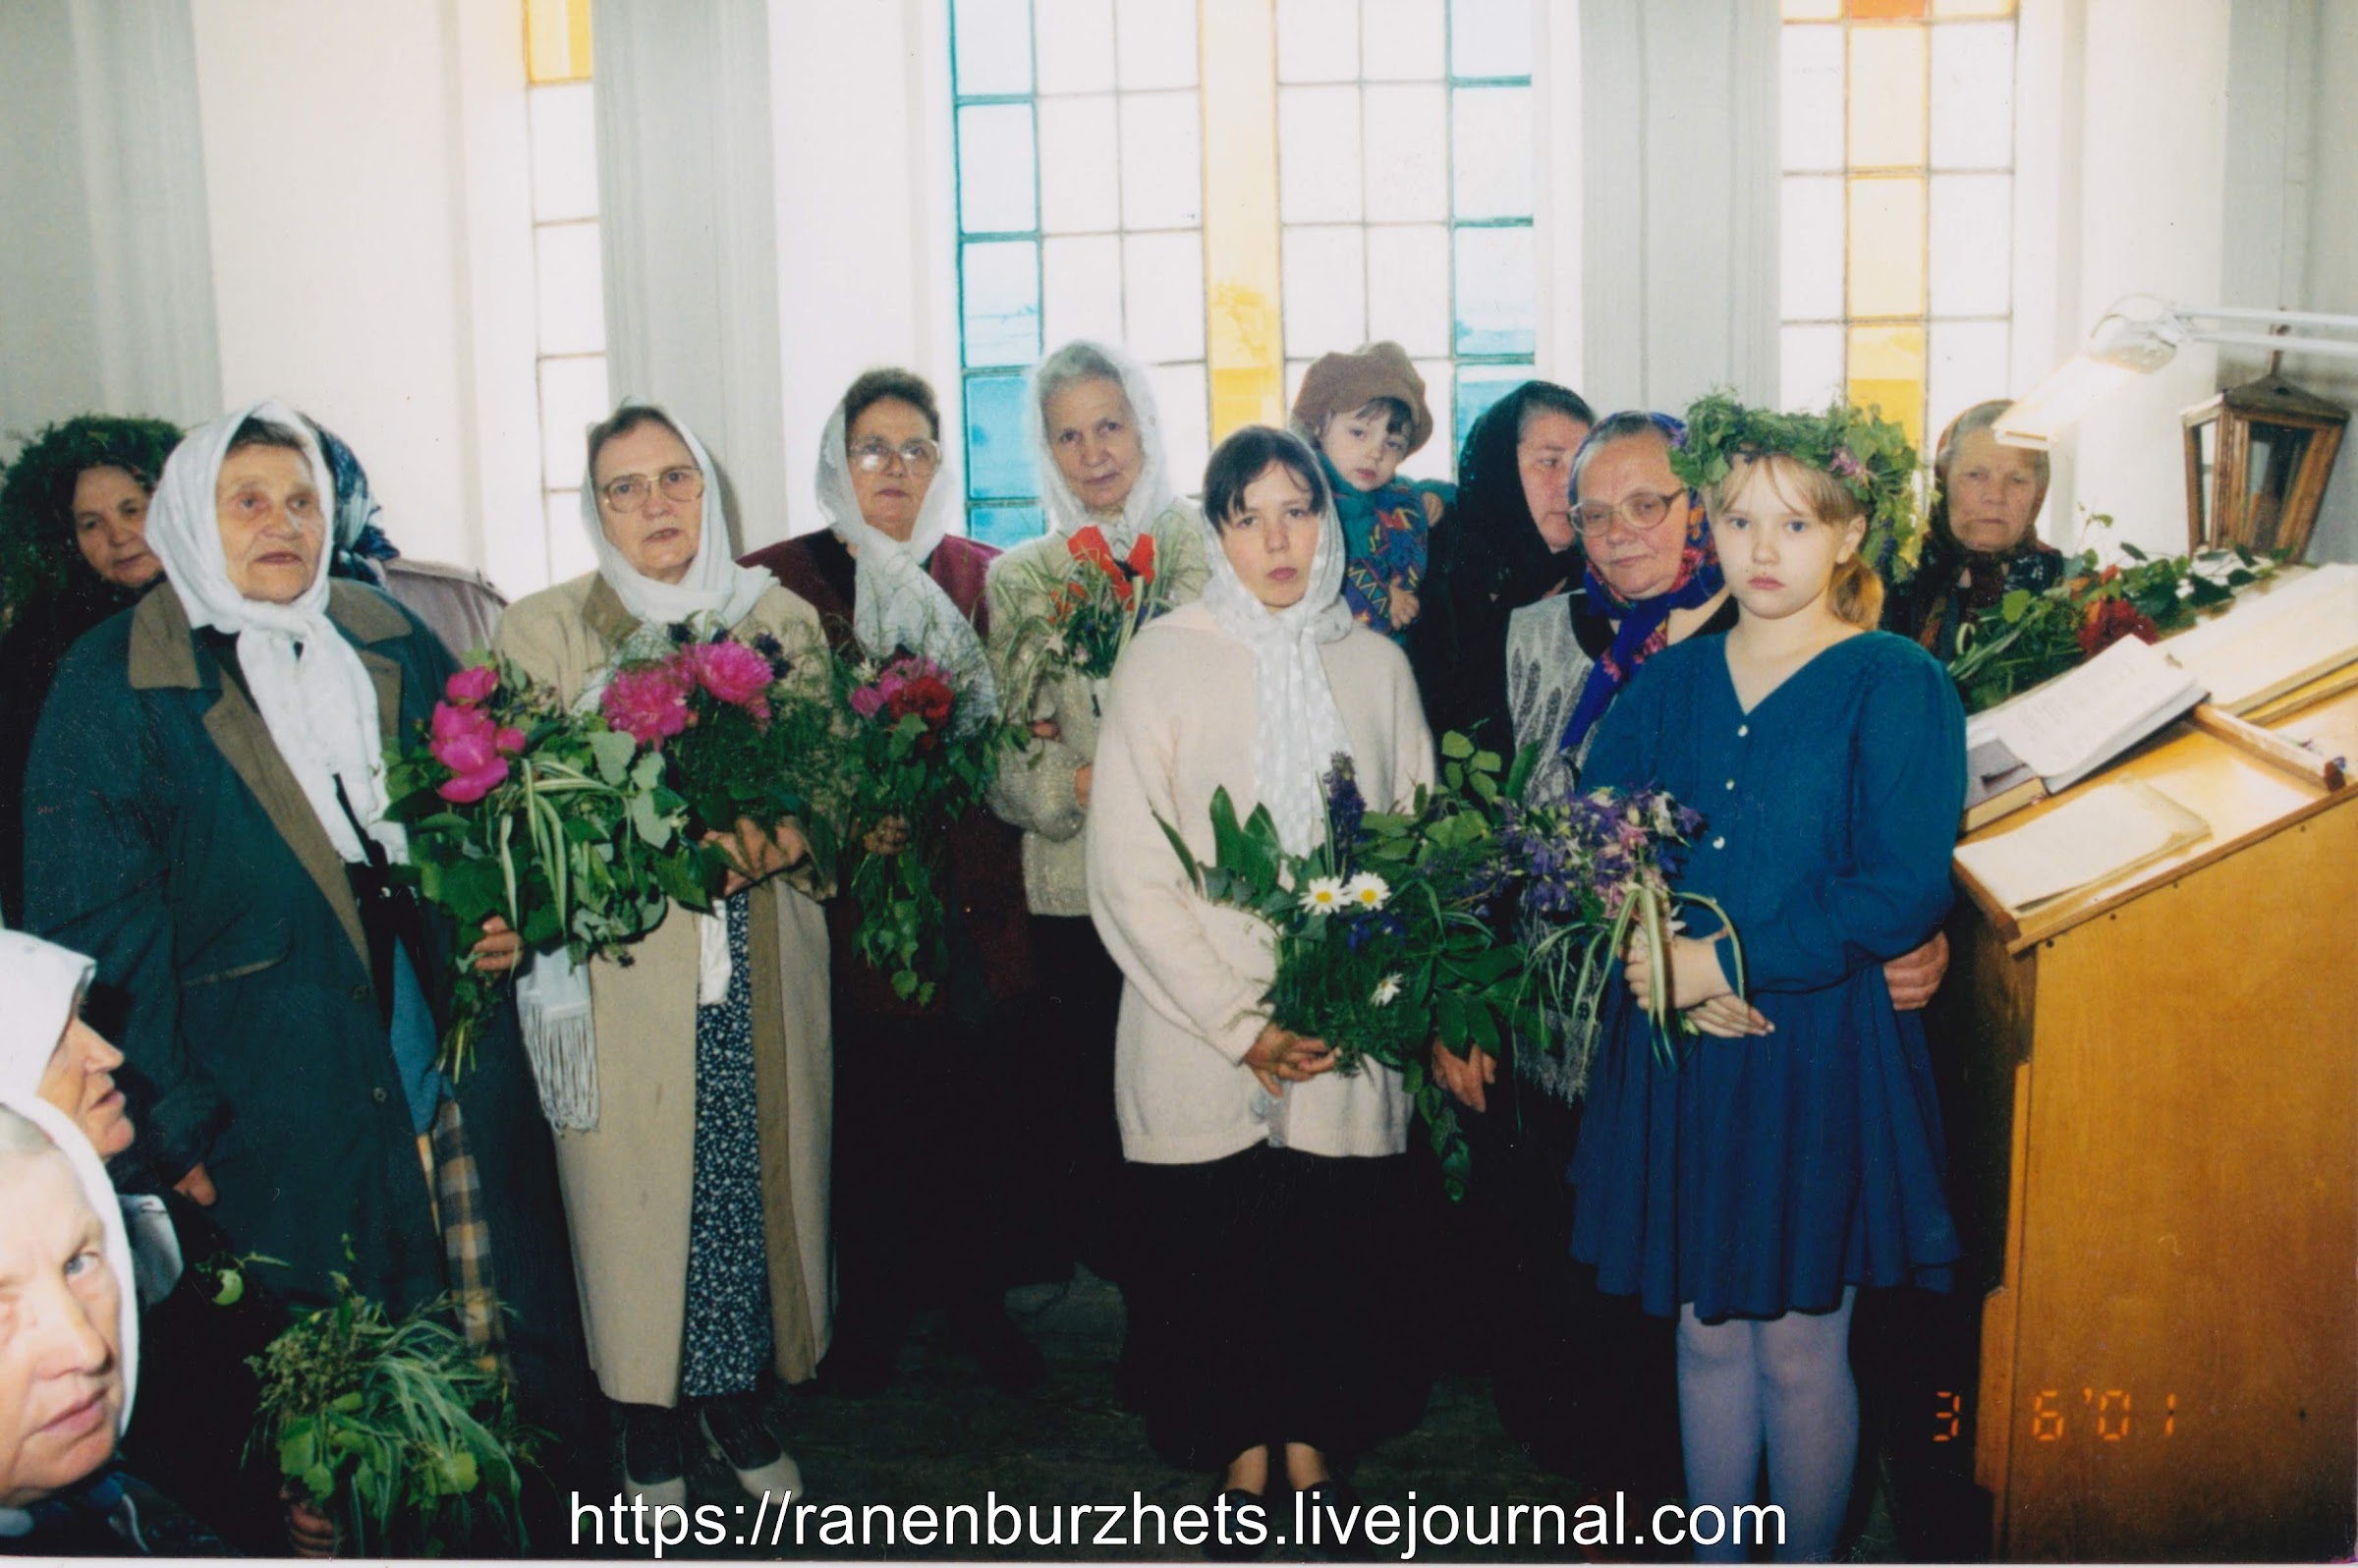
[1066, 1172]
[1269, 1303]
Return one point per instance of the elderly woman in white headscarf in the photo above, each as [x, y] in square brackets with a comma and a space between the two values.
[923, 1107]
[1267, 1185]
[209, 825]
[1098, 447]
[690, 1088]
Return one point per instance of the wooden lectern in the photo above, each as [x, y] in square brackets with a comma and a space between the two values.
[2154, 1109]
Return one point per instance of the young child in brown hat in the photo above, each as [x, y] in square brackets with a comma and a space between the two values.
[1365, 413]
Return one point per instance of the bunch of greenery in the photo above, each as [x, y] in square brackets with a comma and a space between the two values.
[1870, 455]
[397, 1430]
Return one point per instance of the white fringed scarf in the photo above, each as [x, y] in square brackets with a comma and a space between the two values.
[1148, 498]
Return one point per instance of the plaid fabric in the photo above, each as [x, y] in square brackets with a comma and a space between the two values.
[467, 1237]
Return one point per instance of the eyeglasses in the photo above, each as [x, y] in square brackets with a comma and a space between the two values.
[627, 492]
[1642, 512]
[872, 455]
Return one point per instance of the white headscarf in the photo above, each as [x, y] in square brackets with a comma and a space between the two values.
[895, 602]
[313, 690]
[40, 988]
[715, 585]
[1299, 729]
[91, 1176]
[1150, 497]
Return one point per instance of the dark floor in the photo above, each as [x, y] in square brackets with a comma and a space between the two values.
[942, 1436]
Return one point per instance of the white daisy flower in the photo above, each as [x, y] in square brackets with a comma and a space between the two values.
[1323, 896]
[1367, 890]
[1388, 991]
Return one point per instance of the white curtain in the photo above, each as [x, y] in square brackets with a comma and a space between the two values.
[688, 233]
[108, 272]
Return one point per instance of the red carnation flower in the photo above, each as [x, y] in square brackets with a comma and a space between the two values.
[2110, 620]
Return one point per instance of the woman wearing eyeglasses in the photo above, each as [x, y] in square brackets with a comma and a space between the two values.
[923, 1111]
[690, 1088]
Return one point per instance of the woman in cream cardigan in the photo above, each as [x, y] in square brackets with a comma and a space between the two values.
[1266, 1183]
[1098, 446]
[692, 1088]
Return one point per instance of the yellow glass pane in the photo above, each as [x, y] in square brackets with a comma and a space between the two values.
[1813, 10]
[1973, 8]
[1885, 10]
[1886, 371]
[1886, 97]
[1886, 245]
[556, 41]
[1245, 345]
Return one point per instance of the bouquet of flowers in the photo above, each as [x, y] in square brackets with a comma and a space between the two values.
[553, 821]
[916, 754]
[741, 737]
[397, 1430]
[2031, 637]
[1097, 603]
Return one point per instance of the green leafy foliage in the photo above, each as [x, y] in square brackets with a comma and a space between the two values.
[1870, 455]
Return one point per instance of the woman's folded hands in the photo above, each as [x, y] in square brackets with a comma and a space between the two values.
[1280, 1058]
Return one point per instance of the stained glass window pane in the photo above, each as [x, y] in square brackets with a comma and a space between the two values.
[1810, 367]
[1972, 244]
[564, 152]
[1886, 247]
[1495, 290]
[556, 41]
[1180, 400]
[1162, 160]
[1973, 95]
[1319, 162]
[573, 299]
[997, 466]
[1075, 46]
[1318, 41]
[1886, 97]
[1971, 362]
[1326, 290]
[1155, 43]
[1810, 242]
[1887, 370]
[1490, 37]
[1407, 172]
[1811, 10]
[1885, 10]
[1001, 296]
[992, 41]
[1478, 387]
[1810, 99]
[570, 553]
[1491, 153]
[572, 398]
[1080, 165]
[1002, 528]
[1163, 292]
[1403, 40]
[994, 168]
[1083, 279]
[1408, 287]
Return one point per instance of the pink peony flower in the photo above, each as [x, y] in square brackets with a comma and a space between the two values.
[649, 704]
[451, 725]
[465, 741]
[730, 671]
[868, 701]
[472, 684]
[509, 741]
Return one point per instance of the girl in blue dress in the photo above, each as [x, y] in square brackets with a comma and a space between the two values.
[1793, 1154]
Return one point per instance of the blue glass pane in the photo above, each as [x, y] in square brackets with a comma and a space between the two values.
[993, 44]
[1490, 37]
[1002, 303]
[1481, 385]
[1004, 526]
[995, 183]
[1497, 293]
[997, 468]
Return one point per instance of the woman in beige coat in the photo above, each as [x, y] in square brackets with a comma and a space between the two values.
[691, 1089]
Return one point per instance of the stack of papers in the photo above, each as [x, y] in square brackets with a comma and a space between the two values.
[2106, 834]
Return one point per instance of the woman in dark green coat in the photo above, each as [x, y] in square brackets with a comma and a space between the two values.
[206, 817]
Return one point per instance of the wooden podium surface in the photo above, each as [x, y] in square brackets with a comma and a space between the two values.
[2154, 1147]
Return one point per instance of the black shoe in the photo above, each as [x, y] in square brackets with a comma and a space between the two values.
[1338, 1494]
[652, 1466]
[738, 1437]
[1240, 1546]
[1010, 1362]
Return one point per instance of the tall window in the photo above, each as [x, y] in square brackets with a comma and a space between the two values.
[1378, 153]
[572, 339]
[1898, 202]
[1405, 189]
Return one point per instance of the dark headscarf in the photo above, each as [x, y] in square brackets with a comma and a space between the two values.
[358, 543]
[1639, 625]
[1953, 584]
[1488, 562]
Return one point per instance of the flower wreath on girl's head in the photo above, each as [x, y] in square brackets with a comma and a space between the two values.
[1868, 453]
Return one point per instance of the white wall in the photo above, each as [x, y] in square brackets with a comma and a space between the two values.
[2332, 272]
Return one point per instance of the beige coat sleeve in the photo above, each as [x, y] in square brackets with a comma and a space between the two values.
[1034, 787]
